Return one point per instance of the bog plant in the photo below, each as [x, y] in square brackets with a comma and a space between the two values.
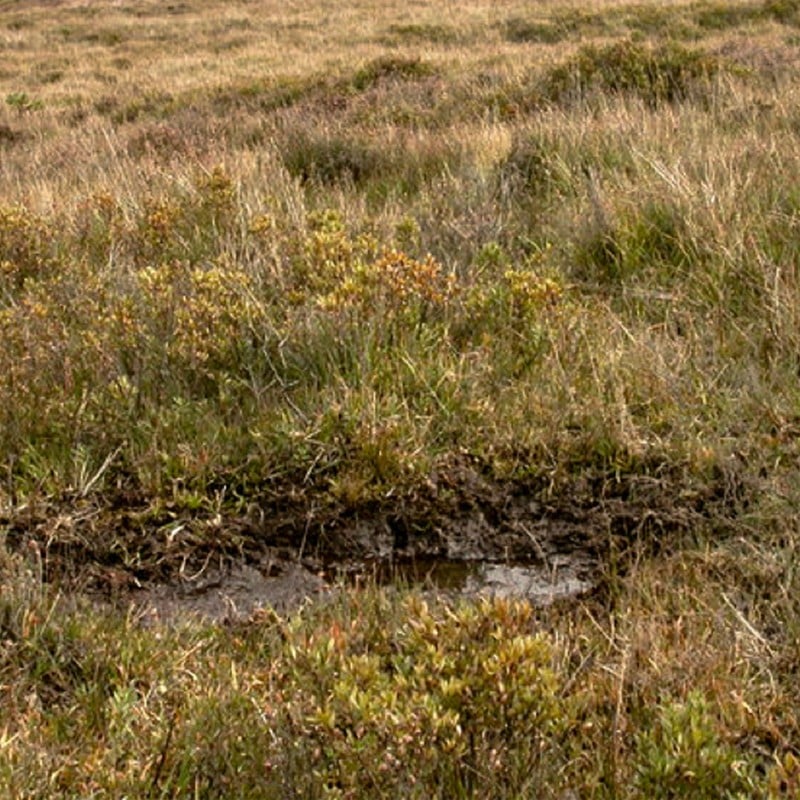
[22, 102]
[28, 248]
[683, 755]
[373, 694]
[396, 285]
[461, 696]
[666, 73]
[390, 68]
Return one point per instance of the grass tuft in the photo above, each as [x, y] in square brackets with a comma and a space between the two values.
[667, 73]
[389, 68]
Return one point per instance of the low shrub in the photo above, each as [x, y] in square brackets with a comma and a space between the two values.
[683, 755]
[387, 68]
[668, 73]
[420, 33]
[331, 158]
[468, 699]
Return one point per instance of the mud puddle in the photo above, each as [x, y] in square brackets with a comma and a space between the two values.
[541, 584]
[238, 591]
[231, 593]
[459, 533]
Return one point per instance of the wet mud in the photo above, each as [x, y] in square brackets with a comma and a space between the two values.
[235, 592]
[462, 533]
[240, 590]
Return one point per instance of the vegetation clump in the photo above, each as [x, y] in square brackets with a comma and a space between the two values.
[333, 158]
[390, 68]
[666, 73]
[785, 11]
[403, 33]
[369, 695]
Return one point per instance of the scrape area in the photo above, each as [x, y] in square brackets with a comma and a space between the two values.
[240, 590]
[230, 593]
[461, 532]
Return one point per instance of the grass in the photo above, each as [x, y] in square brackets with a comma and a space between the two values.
[303, 267]
[379, 692]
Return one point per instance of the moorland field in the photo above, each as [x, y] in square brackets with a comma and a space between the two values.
[276, 274]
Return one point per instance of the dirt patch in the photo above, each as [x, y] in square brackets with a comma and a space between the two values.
[231, 593]
[461, 531]
[240, 590]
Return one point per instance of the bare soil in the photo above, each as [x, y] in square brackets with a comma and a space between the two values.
[461, 531]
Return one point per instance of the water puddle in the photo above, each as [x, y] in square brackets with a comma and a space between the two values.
[231, 594]
[540, 584]
[240, 590]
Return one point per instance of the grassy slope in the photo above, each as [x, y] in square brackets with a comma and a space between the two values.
[257, 256]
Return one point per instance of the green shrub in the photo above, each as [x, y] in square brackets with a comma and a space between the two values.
[186, 224]
[336, 158]
[266, 95]
[534, 167]
[661, 21]
[22, 101]
[387, 68]
[28, 248]
[520, 30]
[784, 11]
[721, 16]
[668, 73]
[683, 756]
[326, 158]
[446, 702]
[420, 33]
